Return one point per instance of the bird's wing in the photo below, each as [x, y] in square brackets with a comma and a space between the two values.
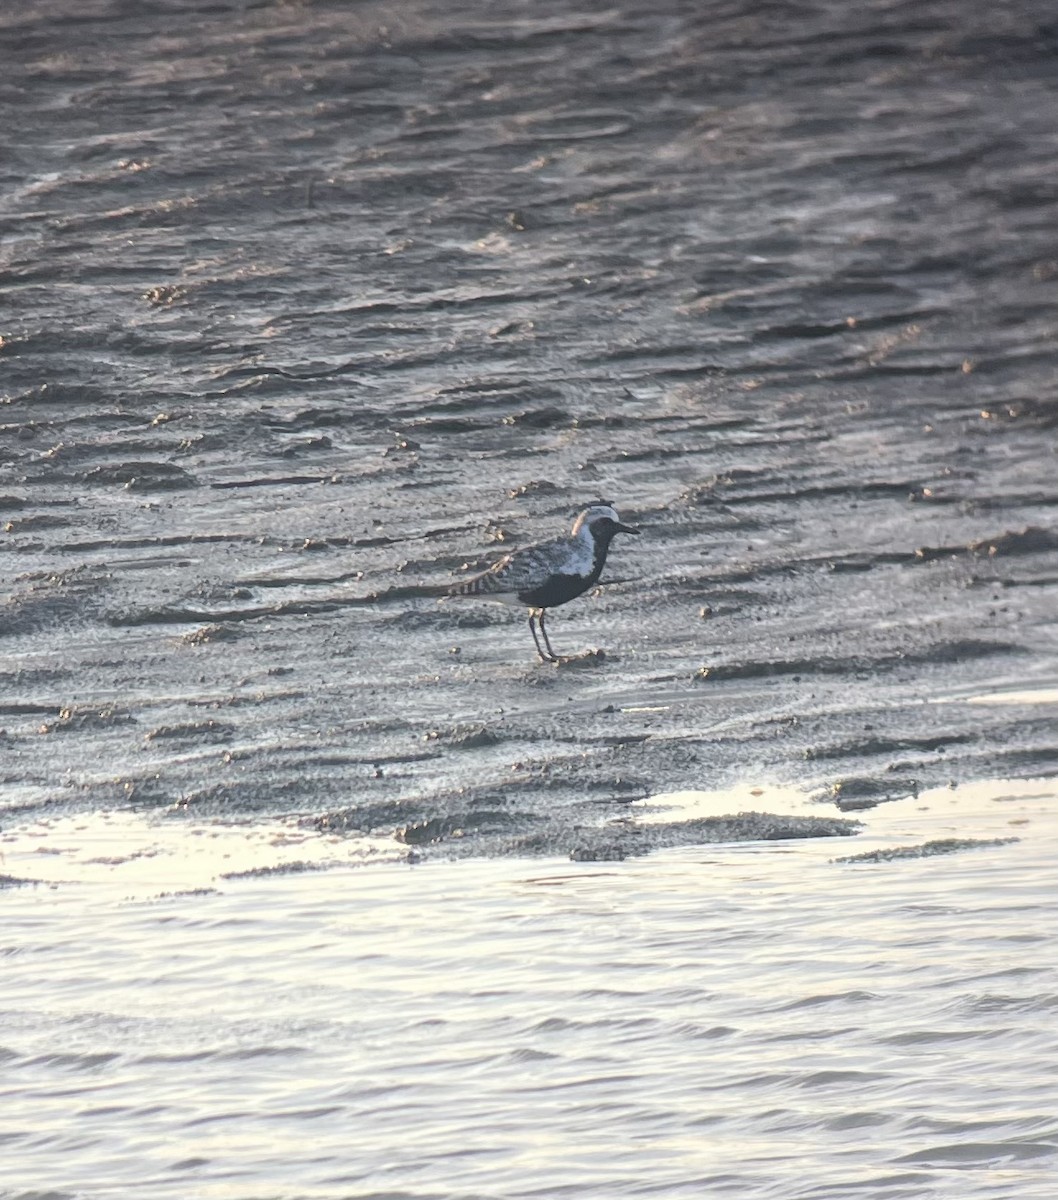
[524, 569]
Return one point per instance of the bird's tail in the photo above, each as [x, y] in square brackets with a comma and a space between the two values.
[480, 585]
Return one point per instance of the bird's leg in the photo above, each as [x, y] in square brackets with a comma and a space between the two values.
[532, 630]
[547, 640]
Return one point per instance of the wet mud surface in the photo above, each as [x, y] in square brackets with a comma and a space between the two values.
[311, 307]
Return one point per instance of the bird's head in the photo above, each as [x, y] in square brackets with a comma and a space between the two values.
[602, 521]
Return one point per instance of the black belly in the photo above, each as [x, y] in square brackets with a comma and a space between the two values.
[557, 590]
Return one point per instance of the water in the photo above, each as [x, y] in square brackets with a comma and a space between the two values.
[754, 1020]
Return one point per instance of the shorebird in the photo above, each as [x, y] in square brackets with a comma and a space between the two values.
[546, 574]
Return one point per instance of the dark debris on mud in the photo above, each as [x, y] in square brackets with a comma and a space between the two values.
[623, 841]
[925, 850]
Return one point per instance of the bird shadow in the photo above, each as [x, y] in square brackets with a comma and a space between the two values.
[586, 658]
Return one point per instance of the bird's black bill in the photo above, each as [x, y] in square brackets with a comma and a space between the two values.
[619, 528]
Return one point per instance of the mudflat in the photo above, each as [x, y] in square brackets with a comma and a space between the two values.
[312, 308]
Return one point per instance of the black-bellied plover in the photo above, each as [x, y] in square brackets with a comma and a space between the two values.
[547, 574]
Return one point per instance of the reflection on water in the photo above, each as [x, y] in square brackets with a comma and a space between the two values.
[1041, 695]
[749, 1020]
